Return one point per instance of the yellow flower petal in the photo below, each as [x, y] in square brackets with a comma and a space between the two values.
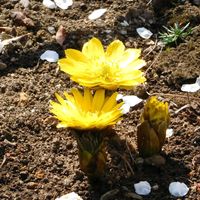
[98, 100]
[129, 56]
[110, 103]
[93, 49]
[69, 97]
[115, 50]
[78, 97]
[87, 100]
[112, 69]
[60, 99]
[76, 56]
[136, 64]
[86, 111]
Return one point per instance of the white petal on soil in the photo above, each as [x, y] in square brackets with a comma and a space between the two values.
[119, 97]
[124, 23]
[50, 56]
[70, 196]
[169, 132]
[97, 13]
[131, 100]
[142, 188]
[178, 189]
[198, 80]
[1, 46]
[49, 4]
[25, 3]
[191, 87]
[125, 108]
[63, 4]
[144, 33]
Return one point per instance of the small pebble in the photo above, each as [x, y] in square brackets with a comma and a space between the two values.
[51, 30]
[155, 187]
[155, 160]
[32, 185]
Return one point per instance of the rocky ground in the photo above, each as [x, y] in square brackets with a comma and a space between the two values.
[38, 161]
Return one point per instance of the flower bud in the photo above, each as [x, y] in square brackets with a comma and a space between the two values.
[92, 152]
[151, 132]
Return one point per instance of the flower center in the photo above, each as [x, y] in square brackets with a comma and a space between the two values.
[108, 69]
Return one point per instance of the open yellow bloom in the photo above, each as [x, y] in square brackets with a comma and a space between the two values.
[86, 111]
[110, 69]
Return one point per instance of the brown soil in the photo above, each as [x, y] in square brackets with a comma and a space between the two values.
[39, 161]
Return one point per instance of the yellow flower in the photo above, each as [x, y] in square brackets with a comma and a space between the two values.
[151, 132]
[155, 111]
[110, 69]
[86, 111]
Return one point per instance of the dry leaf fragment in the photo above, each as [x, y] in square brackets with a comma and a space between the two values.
[39, 174]
[23, 98]
[8, 41]
[61, 35]
[50, 120]
[2, 65]
[22, 19]
[7, 29]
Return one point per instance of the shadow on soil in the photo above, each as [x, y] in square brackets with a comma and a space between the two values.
[122, 170]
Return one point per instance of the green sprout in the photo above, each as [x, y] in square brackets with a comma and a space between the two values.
[175, 34]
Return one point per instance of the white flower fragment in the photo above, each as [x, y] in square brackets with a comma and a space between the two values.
[169, 132]
[142, 188]
[191, 87]
[144, 33]
[25, 3]
[50, 56]
[97, 13]
[49, 4]
[1, 46]
[63, 4]
[125, 108]
[178, 189]
[124, 23]
[129, 101]
[119, 97]
[70, 196]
